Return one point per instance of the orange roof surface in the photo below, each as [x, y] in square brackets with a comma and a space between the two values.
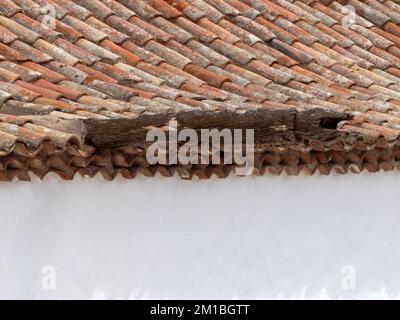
[66, 62]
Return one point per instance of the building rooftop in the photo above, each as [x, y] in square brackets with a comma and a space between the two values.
[82, 81]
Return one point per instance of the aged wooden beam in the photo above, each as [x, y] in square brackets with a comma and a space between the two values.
[271, 126]
[286, 126]
[115, 133]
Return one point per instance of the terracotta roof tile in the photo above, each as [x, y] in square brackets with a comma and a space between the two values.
[188, 53]
[282, 34]
[142, 8]
[82, 88]
[369, 13]
[172, 79]
[11, 54]
[171, 56]
[279, 56]
[80, 54]
[244, 35]
[116, 73]
[30, 8]
[157, 33]
[113, 34]
[273, 11]
[302, 35]
[197, 31]
[357, 38]
[126, 55]
[394, 51]
[183, 74]
[68, 33]
[292, 52]
[144, 76]
[254, 27]
[244, 9]
[18, 92]
[8, 76]
[44, 72]
[232, 52]
[39, 90]
[94, 74]
[237, 79]
[299, 11]
[212, 13]
[23, 33]
[322, 37]
[370, 57]
[8, 8]
[96, 50]
[55, 52]
[100, 10]
[167, 11]
[114, 90]
[28, 52]
[40, 28]
[248, 75]
[138, 35]
[74, 9]
[208, 76]
[341, 39]
[69, 93]
[6, 37]
[85, 29]
[218, 30]
[70, 73]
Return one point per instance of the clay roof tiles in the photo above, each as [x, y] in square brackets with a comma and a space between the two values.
[68, 63]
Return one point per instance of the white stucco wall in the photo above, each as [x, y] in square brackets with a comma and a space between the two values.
[266, 237]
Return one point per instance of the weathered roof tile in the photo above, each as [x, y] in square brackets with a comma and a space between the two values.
[86, 30]
[138, 35]
[44, 31]
[74, 9]
[8, 8]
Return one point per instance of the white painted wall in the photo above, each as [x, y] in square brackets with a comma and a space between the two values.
[265, 237]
